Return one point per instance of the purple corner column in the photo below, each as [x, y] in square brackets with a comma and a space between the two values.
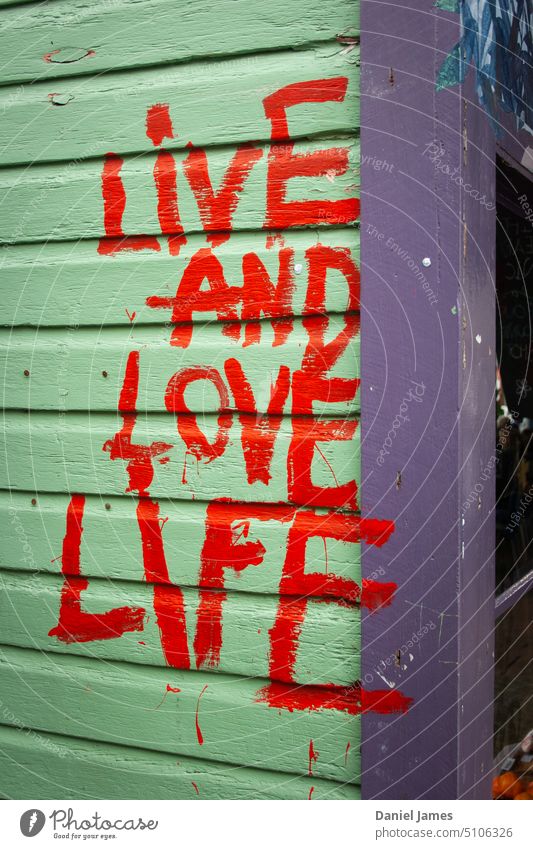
[428, 377]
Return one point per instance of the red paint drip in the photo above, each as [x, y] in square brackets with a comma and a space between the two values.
[158, 124]
[311, 789]
[313, 757]
[195, 787]
[173, 689]
[198, 729]
[131, 315]
[348, 746]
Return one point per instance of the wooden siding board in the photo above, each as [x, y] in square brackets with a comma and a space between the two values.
[49, 203]
[327, 651]
[130, 705]
[83, 369]
[70, 284]
[109, 113]
[111, 548]
[129, 33]
[63, 452]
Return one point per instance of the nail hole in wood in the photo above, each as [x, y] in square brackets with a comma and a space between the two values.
[34, 501]
[26, 372]
[108, 506]
[104, 374]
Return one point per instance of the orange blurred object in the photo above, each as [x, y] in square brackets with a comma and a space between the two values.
[523, 796]
[509, 785]
[496, 787]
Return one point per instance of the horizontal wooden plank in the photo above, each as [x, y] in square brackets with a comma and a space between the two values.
[62, 202]
[129, 705]
[64, 452]
[71, 284]
[327, 648]
[38, 765]
[104, 113]
[78, 37]
[32, 530]
[83, 369]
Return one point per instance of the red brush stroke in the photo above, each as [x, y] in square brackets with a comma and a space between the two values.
[258, 432]
[311, 790]
[226, 546]
[352, 700]
[74, 625]
[260, 296]
[191, 298]
[196, 442]
[306, 434]
[139, 467]
[216, 208]
[158, 123]
[114, 196]
[195, 787]
[169, 605]
[168, 599]
[198, 729]
[283, 164]
[165, 178]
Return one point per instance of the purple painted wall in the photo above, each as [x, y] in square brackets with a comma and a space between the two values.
[428, 412]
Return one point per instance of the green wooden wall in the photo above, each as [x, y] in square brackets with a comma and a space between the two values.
[179, 311]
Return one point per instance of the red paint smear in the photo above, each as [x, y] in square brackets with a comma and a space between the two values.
[110, 247]
[131, 315]
[352, 700]
[173, 689]
[283, 165]
[195, 787]
[158, 123]
[375, 594]
[74, 625]
[198, 729]
[311, 789]
[114, 196]
[274, 238]
[217, 208]
[313, 757]
[348, 746]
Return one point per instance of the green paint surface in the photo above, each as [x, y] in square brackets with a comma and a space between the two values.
[109, 718]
